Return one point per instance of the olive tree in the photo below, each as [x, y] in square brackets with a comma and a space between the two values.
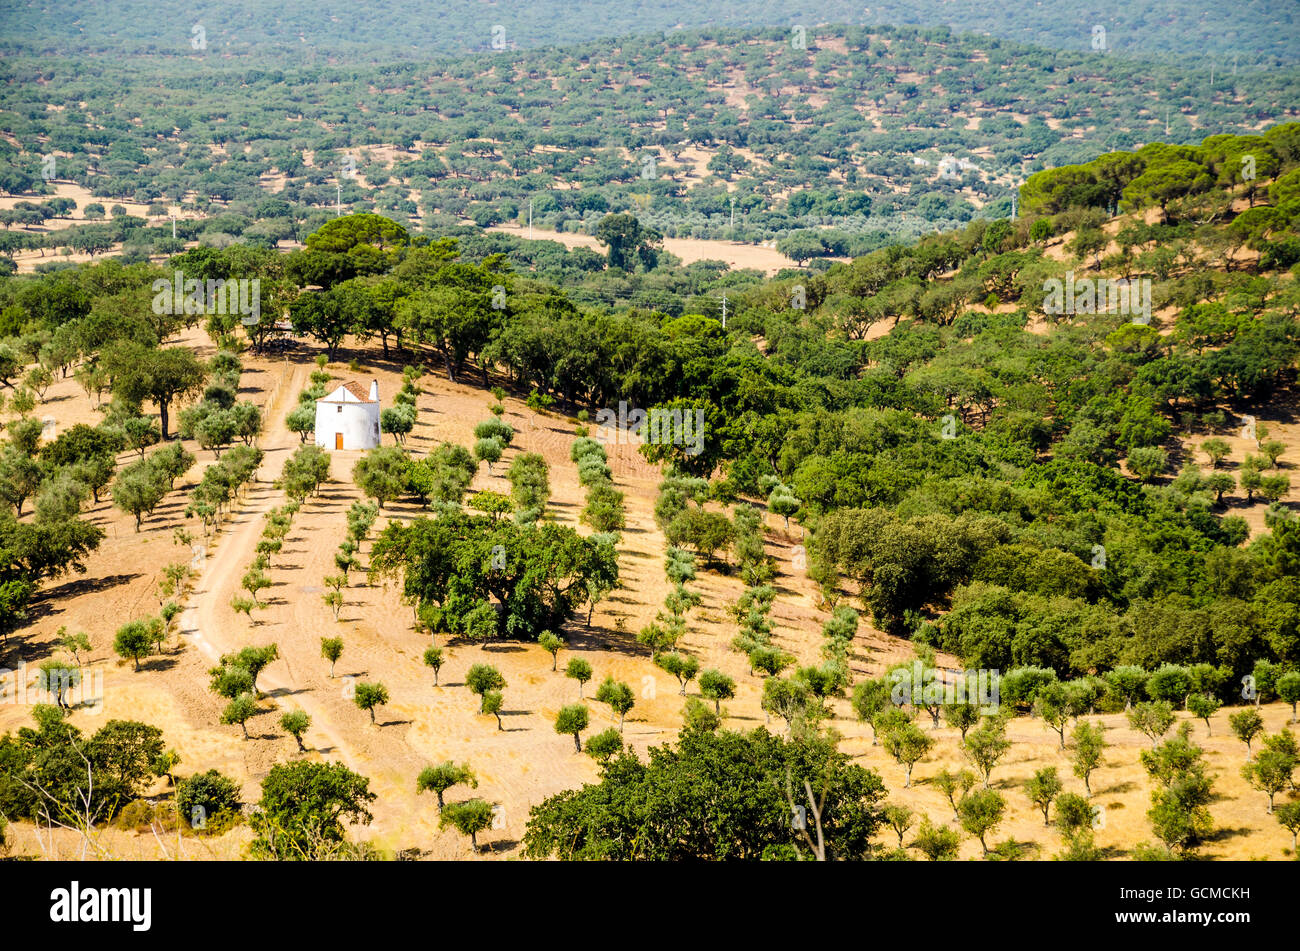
[1246, 725]
[717, 686]
[438, 779]
[981, 812]
[482, 678]
[368, 696]
[331, 648]
[469, 818]
[619, 696]
[433, 659]
[907, 745]
[296, 723]
[1042, 788]
[986, 746]
[1089, 742]
[572, 720]
[240, 710]
[580, 671]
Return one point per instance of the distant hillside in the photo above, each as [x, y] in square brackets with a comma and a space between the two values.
[1256, 31]
[877, 135]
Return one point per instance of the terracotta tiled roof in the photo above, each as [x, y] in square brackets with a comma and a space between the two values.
[358, 390]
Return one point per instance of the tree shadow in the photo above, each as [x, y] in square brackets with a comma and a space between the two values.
[285, 692]
[1117, 789]
[73, 589]
[1025, 849]
[783, 590]
[1227, 833]
[606, 639]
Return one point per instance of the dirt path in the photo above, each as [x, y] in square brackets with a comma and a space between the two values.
[522, 760]
[223, 568]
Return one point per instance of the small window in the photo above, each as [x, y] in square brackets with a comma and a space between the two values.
[339, 410]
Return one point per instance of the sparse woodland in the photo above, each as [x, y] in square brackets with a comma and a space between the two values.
[943, 569]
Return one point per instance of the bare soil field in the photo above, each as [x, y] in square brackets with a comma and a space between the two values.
[526, 761]
[28, 260]
[82, 196]
[736, 255]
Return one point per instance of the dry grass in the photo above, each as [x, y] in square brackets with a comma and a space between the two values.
[423, 724]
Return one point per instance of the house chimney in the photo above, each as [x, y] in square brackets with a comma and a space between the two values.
[374, 391]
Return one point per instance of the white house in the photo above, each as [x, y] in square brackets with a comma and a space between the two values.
[348, 418]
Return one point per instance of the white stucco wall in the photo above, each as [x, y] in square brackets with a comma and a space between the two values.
[340, 412]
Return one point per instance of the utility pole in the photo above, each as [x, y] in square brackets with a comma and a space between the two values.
[1014, 196]
[724, 310]
[338, 200]
[530, 219]
[733, 212]
[173, 227]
